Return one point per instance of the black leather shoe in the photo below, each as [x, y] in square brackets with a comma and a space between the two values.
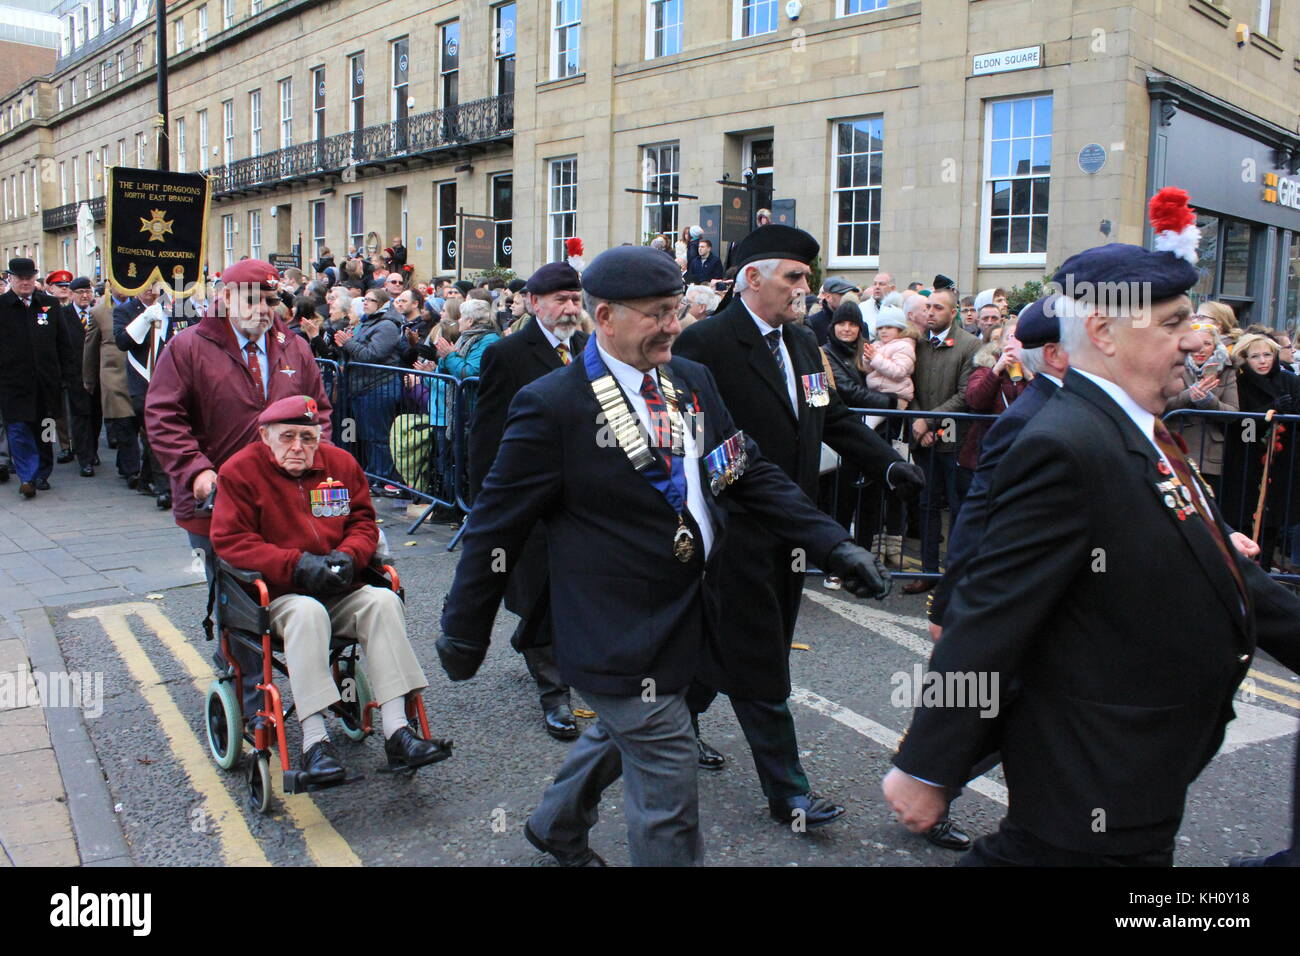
[709, 759]
[587, 857]
[321, 763]
[132, 481]
[42, 484]
[64, 457]
[87, 471]
[164, 500]
[817, 811]
[560, 723]
[96, 462]
[946, 835]
[404, 749]
[4, 474]
[27, 489]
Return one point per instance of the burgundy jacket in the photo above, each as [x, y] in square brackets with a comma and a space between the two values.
[263, 520]
[987, 394]
[203, 402]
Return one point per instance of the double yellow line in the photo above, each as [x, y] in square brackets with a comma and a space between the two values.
[238, 846]
[1267, 694]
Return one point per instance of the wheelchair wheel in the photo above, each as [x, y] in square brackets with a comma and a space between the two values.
[259, 783]
[222, 720]
[356, 710]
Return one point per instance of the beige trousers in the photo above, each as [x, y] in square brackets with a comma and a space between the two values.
[374, 616]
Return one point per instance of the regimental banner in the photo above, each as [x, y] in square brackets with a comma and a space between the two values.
[478, 246]
[157, 227]
[737, 219]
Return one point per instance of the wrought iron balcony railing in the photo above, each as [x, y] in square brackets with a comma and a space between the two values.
[477, 121]
[65, 217]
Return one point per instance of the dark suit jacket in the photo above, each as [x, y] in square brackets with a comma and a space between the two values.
[966, 533]
[36, 362]
[633, 611]
[509, 365]
[1120, 624]
[80, 401]
[760, 581]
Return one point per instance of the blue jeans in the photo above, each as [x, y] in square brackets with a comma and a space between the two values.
[944, 479]
[375, 411]
[32, 459]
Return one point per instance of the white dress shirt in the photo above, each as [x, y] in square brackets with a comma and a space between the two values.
[764, 330]
[629, 379]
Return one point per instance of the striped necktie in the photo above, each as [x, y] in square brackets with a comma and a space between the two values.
[563, 351]
[774, 343]
[660, 426]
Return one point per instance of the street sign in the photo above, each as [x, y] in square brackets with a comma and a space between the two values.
[282, 262]
[711, 223]
[737, 219]
[783, 212]
[157, 227]
[478, 243]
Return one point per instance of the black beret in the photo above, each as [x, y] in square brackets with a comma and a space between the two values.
[1119, 274]
[22, 268]
[464, 285]
[775, 241]
[941, 281]
[631, 272]
[554, 277]
[1039, 322]
[516, 285]
[81, 282]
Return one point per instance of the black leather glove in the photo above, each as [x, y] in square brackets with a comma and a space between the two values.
[1284, 404]
[906, 479]
[313, 575]
[859, 570]
[460, 659]
[346, 567]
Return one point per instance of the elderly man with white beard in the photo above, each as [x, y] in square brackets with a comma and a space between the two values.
[211, 384]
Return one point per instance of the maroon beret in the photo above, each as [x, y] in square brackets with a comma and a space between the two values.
[249, 271]
[294, 410]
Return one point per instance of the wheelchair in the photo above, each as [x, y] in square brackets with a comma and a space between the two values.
[245, 621]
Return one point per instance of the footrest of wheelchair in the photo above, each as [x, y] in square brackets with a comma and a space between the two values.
[296, 781]
[396, 770]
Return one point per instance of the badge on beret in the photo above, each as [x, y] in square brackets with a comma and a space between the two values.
[329, 499]
[815, 388]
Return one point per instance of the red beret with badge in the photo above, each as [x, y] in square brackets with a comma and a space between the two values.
[294, 410]
[250, 271]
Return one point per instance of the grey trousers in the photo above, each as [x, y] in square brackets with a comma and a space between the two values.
[651, 744]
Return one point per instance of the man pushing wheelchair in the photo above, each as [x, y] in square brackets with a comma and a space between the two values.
[298, 513]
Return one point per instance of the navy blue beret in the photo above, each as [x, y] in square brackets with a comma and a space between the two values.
[554, 277]
[1039, 322]
[775, 241]
[1121, 274]
[631, 272]
[81, 282]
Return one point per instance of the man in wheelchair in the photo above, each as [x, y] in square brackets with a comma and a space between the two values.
[298, 512]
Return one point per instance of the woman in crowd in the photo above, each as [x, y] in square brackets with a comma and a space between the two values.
[996, 382]
[519, 315]
[1220, 313]
[1209, 384]
[1262, 384]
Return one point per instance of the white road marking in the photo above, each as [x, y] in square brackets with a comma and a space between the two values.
[894, 627]
[1255, 724]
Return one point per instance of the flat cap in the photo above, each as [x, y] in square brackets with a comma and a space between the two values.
[631, 272]
[22, 268]
[1039, 322]
[59, 277]
[295, 410]
[81, 282]
[554, 277]
[838, 285]
[250, 271]
[775, 241]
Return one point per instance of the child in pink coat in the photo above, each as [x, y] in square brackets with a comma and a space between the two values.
[891, 359]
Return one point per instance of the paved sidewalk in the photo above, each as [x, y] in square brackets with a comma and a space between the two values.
[86, 539]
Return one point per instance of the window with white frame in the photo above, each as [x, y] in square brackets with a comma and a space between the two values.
[202, 119]
[317, 219]
[121, 66]
[1017, 175]
[105, 74]
[103, 170]
[660, 170]
[447, 249]
[561, 205]
[228, 240]
[255, 123]
[91, 82]
[65, 43]
[63, 184]
[449, 63]
[1264, 21]
[121, 152]
[180, 34]
[202, 31]
[318, 103]
[286, 113]
[181, 158]
[227, 13]
[92, 30]
[255, 233]
[91, 178]
[504, 45]
[4, 187]
[254, 7]
[22, 189]
[227, 131]
[36, 193]
[76, 178]
[856, 177]
[751, 18]
[60, 95]
[357, 91]
[663, 28]
[138, 49]
[356, 221]
[140, 150]
[566, 32]
[83, 24]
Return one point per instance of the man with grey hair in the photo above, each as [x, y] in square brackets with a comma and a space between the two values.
[771, 375]
[1117, 635]
[700, 303]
